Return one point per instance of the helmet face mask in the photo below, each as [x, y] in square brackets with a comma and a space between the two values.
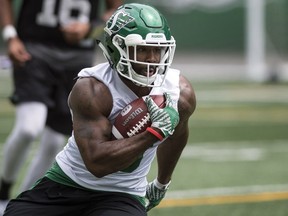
[135, 27]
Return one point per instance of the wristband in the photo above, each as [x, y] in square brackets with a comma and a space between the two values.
[155, 133]
[8, 32]
[161, 186]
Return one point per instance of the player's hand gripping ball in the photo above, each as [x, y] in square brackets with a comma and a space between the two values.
[165, 119]
[135, 118]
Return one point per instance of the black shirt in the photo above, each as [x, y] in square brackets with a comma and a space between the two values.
[40, 20]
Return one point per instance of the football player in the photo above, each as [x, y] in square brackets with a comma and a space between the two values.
[95, 174]
[52, 41]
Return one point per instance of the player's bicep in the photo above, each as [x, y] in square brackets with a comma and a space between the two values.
[187, 100]
[186, 107]
[89, 110]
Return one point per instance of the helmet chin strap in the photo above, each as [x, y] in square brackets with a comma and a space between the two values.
[142, 80]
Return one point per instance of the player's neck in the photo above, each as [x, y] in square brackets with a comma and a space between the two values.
[140, 91]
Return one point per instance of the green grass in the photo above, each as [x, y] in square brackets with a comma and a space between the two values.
[279, 208]
[238, 144]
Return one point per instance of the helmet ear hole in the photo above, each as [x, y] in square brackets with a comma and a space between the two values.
[119, 41]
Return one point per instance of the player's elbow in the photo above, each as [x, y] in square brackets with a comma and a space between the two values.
[100, 167]
[100, 174]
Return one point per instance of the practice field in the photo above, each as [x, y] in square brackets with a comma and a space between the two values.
[235, 163]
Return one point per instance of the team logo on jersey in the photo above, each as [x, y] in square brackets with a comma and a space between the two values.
[118, 21]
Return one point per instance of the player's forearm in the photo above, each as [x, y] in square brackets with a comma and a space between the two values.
[168, 155]
[6, 13]
[6, 16]
[112, 156]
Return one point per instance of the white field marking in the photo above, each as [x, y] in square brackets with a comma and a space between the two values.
[224, 151]
[278, 95]
[225, 191]
[243, 154]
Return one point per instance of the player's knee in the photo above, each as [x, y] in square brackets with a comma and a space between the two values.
[29, 134]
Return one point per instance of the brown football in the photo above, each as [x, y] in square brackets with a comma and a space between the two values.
[134, 118]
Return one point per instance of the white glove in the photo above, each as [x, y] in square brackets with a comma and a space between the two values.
[155, 192]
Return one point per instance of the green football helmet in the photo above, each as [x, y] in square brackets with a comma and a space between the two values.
[135, 25]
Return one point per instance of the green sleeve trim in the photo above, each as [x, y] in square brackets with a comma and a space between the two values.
[56, 174]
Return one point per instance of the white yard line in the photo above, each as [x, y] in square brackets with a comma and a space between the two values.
[232, 151]
[225, 191]
[267, 95]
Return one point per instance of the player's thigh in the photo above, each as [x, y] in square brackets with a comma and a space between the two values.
[115, 204]
[119, 212]
[48, 198]
[33, 82]
[59, 116]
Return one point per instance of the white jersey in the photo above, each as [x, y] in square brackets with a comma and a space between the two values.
[134, 182]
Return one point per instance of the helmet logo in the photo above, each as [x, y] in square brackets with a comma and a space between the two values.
[118, 21]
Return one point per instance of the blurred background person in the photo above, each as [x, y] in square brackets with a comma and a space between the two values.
[50, 43]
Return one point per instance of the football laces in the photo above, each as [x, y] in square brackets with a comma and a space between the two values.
[141, 124]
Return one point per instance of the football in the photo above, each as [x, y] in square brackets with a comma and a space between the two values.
[134, 118]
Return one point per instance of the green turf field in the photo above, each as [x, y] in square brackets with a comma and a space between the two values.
[235, 163]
